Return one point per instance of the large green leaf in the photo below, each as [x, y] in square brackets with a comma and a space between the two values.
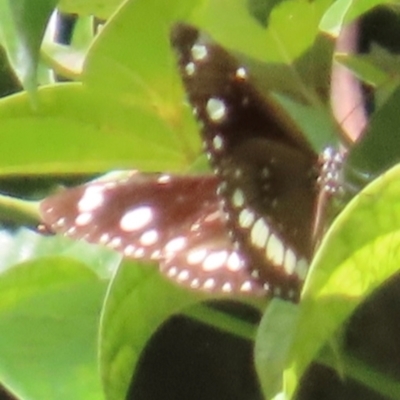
[138, 302]
[291, 30]
[49, 315]
[39, 340]
[132, 65]
[75, 130]
[358, 254]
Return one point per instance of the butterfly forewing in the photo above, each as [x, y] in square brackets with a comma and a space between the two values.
[267, 172]
[171, 218]
[141, 216]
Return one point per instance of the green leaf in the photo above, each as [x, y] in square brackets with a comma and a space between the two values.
[343, 12]
[67, 60]
[358, 254]
[291, 30]
[378, 148]
[22, 27]
[332, 21]
[363, 68]
[138, 302]
[49, 315]
[358, 8]
[75, 130]
[379, 69]
[101, 9]
[273, 341]
[27, 245]
[144, 72]
[9, 82]
[64, 60]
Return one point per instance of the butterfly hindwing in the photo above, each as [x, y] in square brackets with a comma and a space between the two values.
[211, 263]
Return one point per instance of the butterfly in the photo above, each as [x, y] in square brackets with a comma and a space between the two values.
[246, 228]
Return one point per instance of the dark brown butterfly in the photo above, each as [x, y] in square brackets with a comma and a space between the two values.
[246, 229]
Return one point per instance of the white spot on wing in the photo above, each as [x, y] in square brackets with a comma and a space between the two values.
[275, 250]
[165, 178]
[196, 256]
[216, 109]
[246, 218]
[199, 52]
[149, 238]
[227, 287]
[212, 217]
[195, 284]
[71, 231]
[302, 269]
[183, 275]
[209, 284]
[218, 143]
[139, 252]
[104, 238]
[83, 219]
[255, 273]
[234, 263]
[112, 185]
[290, 261]
[246, 286]
[155, 255]
[175, 245]
[92, 198]
[223, 187]
[115, 242]
[241, 73]
[172, 272]
[215, 260]
[136, 219]
[129, 250]
[60, 223]
[190, 68]
[260, 233]
[238, 198]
